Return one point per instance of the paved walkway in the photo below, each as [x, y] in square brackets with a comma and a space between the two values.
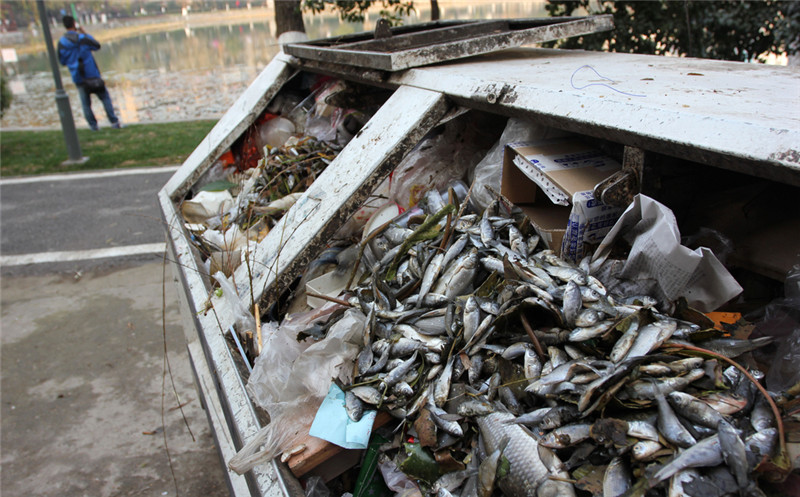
[82, 347]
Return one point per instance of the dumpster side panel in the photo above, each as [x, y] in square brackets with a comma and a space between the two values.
[340, 190]
[229, 409]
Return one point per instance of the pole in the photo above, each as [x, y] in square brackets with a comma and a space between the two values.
[62, 100]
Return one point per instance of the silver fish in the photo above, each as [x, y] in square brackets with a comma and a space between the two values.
[474, 407]
[440, 419]
[694, 410]
[587, 333]
[571, 303]
[651, 337]
[642, 430]
[431, 273]
[353, 405]
[733, 453]
[617, 478]
[400, 371]
[471, 318]
[706, 452]
[367, 394]
[441, 389]
[644, 450]
[587, 318]
[531, 465]
[566, 436]
[669, 425]
[625, 342]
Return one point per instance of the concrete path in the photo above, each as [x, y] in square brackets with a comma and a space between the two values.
[82, 348]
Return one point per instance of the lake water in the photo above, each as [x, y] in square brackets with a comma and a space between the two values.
[196, 72]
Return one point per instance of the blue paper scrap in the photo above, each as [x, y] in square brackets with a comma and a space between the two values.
[334, 425]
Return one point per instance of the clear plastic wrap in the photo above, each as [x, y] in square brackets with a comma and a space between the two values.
[293, 403]
[448, 153]
[781, 320]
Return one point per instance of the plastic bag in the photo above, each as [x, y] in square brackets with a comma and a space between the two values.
[396, 480]
[292, 408]
[315, 487]
[447, 153]
[489, 170]
[243, 318]
[781, 320]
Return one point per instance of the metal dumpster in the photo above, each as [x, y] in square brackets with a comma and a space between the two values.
[663, 117]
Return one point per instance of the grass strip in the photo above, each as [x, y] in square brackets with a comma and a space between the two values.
[26, 153]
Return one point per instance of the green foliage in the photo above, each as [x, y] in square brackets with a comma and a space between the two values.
[5, 95]
[729, 30]
[353, 10]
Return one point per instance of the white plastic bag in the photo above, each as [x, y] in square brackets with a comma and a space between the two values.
[292, 409]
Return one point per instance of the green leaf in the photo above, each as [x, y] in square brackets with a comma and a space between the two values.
[218, 186]
[419, 463]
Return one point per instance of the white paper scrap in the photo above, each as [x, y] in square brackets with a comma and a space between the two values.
[657, 254]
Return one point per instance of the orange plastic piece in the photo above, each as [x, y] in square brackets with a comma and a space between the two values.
[724, 317]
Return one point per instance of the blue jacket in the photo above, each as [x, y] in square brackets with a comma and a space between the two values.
[75, 51]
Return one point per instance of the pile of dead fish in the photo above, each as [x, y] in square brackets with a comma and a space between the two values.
[516, 373]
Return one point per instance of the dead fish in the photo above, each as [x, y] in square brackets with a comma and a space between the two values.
[566, 436]
[429, 277]
[761, 416]
[367, 394]
[645, 389]
[733, 453]
[694, 410]
[571, 303]
[617, 478]
[642, 430]
[474, 407]
[530, 465]
[587, 318]
[760, 446]
[625, 342]
[441, 419]
[364, 360]
[532, 418]
[353, 405]
[644, 450]
[510, 400]
[704, 453]
[587, 333]
[724, 403]
[400, 371]
[669, 425]
[441, 389]
[650, 337]
[487, 472]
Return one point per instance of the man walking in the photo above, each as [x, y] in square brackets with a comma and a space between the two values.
[75, 51]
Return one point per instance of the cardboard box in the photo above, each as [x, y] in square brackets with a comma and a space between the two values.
[552, 182]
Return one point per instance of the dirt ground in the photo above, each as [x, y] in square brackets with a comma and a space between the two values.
[81, 363]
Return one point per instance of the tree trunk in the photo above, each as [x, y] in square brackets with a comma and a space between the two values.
[434, 10]
[288, 17]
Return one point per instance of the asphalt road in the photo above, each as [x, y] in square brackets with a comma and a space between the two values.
[85, 405]
[80, 212]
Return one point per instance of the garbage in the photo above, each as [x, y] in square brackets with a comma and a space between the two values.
[522, 372]
[337, 425]
[657, 260]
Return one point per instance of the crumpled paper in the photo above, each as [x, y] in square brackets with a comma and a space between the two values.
[657, 257]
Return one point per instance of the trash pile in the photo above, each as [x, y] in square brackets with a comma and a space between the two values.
[510, 371]
[246, 192]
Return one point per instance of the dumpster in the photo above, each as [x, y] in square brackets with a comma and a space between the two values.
[716, 142]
